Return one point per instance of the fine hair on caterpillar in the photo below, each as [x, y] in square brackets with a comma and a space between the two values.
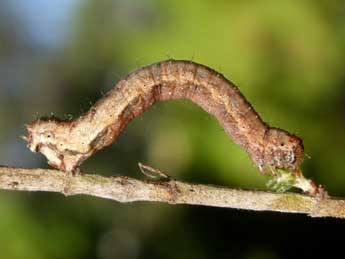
[66, 144]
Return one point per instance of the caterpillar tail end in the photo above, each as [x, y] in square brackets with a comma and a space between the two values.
[308, 186]
[283, 180]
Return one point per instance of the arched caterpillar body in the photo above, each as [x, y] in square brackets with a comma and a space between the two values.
[66, 144]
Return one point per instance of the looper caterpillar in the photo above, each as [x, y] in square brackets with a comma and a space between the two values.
[66, 144]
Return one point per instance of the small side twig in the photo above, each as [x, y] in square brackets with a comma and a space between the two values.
[151, 172]
[126, 189]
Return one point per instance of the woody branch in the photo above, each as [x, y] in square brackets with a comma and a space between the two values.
[126, 189]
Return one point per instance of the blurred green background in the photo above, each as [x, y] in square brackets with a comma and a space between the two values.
[287, 57]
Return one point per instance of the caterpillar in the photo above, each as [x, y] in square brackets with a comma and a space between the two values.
[66, 144]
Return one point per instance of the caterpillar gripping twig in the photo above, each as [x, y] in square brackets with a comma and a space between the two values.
[66, 144]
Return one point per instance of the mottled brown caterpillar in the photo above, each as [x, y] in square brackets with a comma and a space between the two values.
[66, 144]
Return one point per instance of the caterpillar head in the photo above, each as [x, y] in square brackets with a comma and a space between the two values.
[283, 150]
[51, 138]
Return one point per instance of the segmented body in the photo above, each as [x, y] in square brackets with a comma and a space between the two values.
[70, 143]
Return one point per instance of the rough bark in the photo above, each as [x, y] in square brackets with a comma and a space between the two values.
[126, 189]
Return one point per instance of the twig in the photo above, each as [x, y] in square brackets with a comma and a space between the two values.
[125, 189]
[151, 172]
